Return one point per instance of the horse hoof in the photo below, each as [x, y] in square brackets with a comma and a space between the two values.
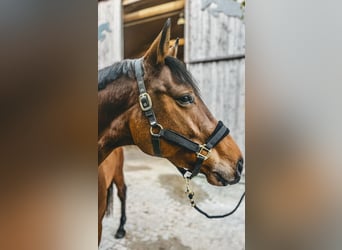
[120, 234]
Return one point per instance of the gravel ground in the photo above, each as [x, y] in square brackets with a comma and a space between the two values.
[160, 217]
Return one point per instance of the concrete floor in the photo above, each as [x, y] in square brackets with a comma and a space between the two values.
[160, 217]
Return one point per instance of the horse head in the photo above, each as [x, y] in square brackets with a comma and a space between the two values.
[178, 107]
[153, 102]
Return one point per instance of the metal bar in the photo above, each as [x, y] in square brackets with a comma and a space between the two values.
[218, 59]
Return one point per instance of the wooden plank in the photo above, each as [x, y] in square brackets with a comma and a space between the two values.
[128, 2]
[153, 18]
[154, 11]
[110, 42]
[212, 36]
[135, 5]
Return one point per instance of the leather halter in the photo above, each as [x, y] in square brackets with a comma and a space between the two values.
[202, 151]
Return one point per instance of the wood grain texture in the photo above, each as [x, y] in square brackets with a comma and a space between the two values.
[110, 49]
[222, 83]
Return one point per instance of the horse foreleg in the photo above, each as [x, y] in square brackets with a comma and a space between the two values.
[102, 202]
[122, 189]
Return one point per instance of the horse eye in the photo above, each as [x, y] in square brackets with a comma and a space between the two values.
[185, 99]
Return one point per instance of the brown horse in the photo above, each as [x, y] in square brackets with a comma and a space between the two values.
[109, 172]
[125, 115]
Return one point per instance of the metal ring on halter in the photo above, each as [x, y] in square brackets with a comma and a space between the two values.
[157, 125]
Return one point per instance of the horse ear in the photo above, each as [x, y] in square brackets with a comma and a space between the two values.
[160, 46]
[173, 49]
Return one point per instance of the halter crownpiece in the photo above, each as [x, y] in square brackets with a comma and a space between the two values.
[202, 151]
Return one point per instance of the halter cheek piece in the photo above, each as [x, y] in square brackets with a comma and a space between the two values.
[157, 131]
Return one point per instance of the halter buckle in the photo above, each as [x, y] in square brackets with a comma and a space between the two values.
[203, 152]
[145, 101]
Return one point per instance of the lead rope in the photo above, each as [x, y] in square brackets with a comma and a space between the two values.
[191, 195]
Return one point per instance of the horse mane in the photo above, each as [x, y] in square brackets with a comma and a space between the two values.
[180, 74]
[113, 72]
[126, 67]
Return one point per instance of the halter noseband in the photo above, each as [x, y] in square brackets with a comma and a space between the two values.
[202, 151]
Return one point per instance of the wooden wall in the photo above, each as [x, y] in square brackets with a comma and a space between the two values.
[210, 35]
[110, 41]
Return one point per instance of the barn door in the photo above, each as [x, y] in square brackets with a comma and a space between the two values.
[110, 46]
[214, 53]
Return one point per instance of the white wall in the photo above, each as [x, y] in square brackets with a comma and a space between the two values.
[110, 44]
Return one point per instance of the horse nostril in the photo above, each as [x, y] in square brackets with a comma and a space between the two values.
[239, 167]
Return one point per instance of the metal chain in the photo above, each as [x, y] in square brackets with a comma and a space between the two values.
[189, 192]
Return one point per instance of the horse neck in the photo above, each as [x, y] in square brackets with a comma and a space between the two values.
[114, 103]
